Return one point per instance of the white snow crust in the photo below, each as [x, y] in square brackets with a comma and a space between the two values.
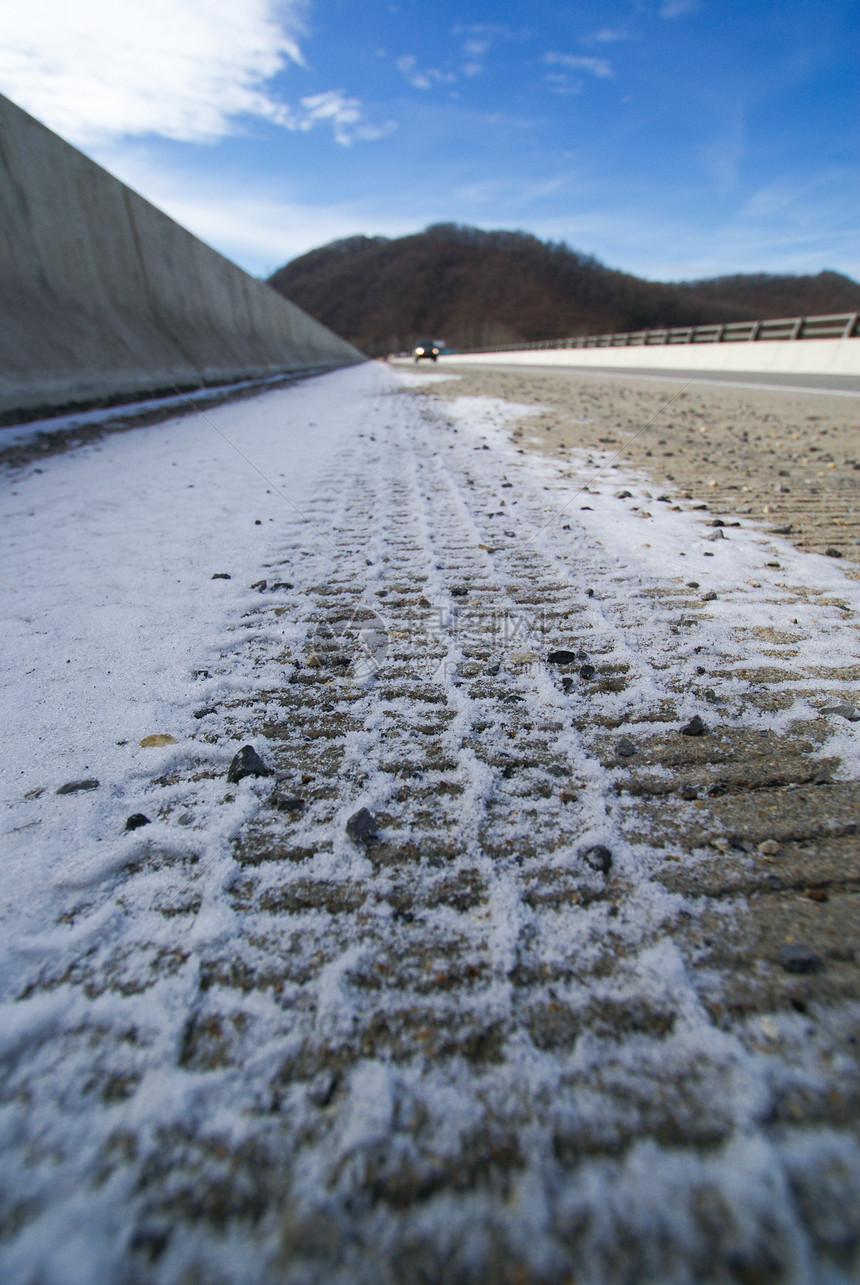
[113, 629]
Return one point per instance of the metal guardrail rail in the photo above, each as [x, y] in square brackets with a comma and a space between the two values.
[841, 325]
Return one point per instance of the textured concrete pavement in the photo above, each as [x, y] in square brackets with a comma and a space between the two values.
[584, 1005]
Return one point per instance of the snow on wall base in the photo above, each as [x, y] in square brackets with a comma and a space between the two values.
[800, 357]
[103, 297]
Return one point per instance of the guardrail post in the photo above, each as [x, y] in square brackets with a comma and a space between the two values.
[718, 337]
[850, 325]
[754, 332]
[797, 328]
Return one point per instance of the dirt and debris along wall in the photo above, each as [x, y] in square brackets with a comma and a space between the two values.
[103, 297]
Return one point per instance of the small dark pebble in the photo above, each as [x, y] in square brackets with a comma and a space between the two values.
[589, 593]
[321, 1091]
[700, 669]
[221, 575]
[710, 695]
[833, 553]
[72, 787]
[692, 584]
[587, 671]
[555, 769]
[459, 591]
[492, 670]
[258, 522]
[260, 585]
[287, 584]
[599, 858]
[561, 657]
[361, 826]
[151, 1242]
[624, 495]
[717, 522]
[710, 596]
[796, 958]
[625, 748]
[689, 792]
[247, 763]
[288, 802]
[201, 713]
[783, 530]
[136, 820]
[695, 727]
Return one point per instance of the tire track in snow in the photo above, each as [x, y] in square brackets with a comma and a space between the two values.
[500, 1042]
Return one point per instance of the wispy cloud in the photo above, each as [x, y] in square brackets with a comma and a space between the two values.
[677, 8]
[345, 115]
[177, 68]
[608, 35]
[422, 77]
[600, 67]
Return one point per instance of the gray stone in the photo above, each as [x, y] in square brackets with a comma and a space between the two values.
[247, 763]
[599, 858]
[797, 958]
[625, 748]
[695, 727]
[74, 787]
[361, 826]
[844, 710]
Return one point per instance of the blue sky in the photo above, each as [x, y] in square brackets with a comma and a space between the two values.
[671, 138]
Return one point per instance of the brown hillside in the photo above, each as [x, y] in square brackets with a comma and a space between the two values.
[474, 288]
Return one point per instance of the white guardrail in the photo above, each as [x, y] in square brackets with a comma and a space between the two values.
[772, 345]
[840, 325]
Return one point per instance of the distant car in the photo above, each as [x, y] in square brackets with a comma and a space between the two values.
[426, 348]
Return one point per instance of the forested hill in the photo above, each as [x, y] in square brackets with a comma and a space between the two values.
[474, 288]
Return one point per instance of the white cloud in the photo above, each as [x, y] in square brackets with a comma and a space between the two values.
[422, 78]
[608, 35]
[181, 69]
[677, 8]
[335, 108]
[178, 68]
[560, 83]
[600, 67]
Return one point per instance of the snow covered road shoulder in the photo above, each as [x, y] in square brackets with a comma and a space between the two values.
[585, 1004]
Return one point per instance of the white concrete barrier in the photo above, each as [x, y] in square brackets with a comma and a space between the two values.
[798, 356]
[103, 297]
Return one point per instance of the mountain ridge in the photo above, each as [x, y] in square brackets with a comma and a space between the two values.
[476, 288]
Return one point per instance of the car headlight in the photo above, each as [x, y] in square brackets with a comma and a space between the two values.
[419, 352]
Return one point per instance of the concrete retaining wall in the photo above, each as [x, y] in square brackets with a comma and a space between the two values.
[103, 297]
[799, 356]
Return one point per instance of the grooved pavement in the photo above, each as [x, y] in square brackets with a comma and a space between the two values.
[543, 1027]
